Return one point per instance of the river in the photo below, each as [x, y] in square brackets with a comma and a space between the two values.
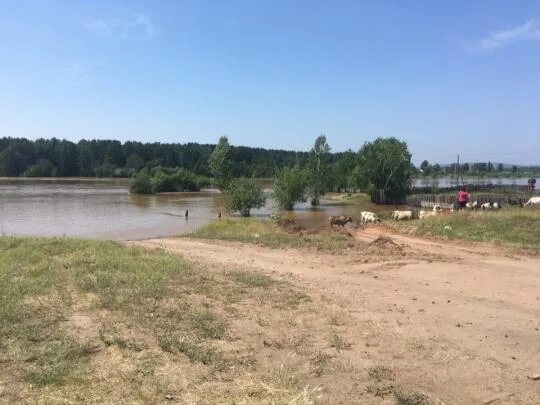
[104, 209]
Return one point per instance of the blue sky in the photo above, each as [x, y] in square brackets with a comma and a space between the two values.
[447, 77]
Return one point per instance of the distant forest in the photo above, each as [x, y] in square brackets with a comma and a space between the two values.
[108, 158]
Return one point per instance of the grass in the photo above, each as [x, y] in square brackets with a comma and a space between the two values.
[514, 227]
[412, 398]
[89, 321]
[353, 198]
[268, 234]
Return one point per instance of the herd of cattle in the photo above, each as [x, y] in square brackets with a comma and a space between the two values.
[399, 215]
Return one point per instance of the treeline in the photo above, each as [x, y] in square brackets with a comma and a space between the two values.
[427, 169]
[108, 158]
[382, 168]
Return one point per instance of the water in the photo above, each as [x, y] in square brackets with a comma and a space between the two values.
[104, 209]
[449, 181]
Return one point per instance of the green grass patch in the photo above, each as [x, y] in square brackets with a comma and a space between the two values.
[137, 302]
[514, 227]
[271, 235]
[353, 198]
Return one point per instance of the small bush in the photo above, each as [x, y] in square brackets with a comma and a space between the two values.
[242, 195]
[141, 184]
[160, 180]
[290, 187]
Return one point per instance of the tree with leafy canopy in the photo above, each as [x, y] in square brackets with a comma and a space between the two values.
[317, 169]
[242, 195]
[386, 164]
[220, 163]
[289, 187]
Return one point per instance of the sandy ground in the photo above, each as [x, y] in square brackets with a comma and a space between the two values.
[460, 322]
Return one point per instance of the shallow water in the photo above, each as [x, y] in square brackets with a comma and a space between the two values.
[104, 209]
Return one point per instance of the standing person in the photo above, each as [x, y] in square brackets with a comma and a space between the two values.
[463, 197]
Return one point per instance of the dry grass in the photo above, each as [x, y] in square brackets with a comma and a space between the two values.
[271, 235]
[98, 322]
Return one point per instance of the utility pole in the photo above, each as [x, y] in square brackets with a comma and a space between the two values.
[457, 172]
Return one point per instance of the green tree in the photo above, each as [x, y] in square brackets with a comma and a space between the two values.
[220, 163]
[289, 187]
[317, 169]
[242, 195]
[386, 164]
[141, 183]
[500, 167]
[43, 168]
[341, 177]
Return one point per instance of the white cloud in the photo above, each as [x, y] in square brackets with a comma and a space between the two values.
[124, 27]
[529, 31]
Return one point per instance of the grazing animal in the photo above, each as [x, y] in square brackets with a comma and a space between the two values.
[338, 220]
[425, 214]
[532, 201]
[366, 217]
[495, 206]
[437, 208]
[486, 206]
[402, 215]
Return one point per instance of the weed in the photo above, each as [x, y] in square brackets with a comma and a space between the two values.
[339, 343]
[412, 398]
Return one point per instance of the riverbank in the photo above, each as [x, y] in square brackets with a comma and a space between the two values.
[452, 321]
[511, 227]
[393, 319]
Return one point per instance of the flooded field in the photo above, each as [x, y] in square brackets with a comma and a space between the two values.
[104, 209]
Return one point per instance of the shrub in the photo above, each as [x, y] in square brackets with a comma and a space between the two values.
[43, 168]
[160, 180]
[141, 183]
[242, 195]
[290, 187]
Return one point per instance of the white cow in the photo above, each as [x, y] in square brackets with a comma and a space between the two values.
[366, 217]
[532, 201]
[425, 214]
[402, 215]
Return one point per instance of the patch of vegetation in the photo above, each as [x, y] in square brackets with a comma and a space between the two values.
[339, 342]
[510, 226]
[242, 195]
[350, 198]
[160, 179]
[412, 398]
[251, 279]
[271, 235]
[290, 187]
[141, 310]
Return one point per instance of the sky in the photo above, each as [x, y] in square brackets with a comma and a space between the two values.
[447, 77]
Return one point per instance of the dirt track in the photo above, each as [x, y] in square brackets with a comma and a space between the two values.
[460, 322]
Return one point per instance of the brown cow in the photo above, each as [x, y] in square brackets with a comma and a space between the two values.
[338, 220]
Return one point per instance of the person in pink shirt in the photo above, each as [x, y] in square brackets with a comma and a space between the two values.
[463, 197]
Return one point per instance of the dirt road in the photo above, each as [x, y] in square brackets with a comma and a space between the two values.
[460, 322]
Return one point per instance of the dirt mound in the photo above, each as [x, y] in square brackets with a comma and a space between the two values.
[385, 242]
[385, 246]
